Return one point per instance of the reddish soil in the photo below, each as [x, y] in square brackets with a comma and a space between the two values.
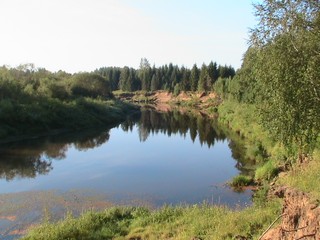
[163, 96]
[300, 218]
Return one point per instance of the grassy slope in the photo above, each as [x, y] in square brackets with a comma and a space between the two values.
[304, 177]
[19, 120]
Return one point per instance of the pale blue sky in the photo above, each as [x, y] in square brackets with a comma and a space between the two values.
[81, 35]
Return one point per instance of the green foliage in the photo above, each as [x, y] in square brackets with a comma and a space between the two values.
[306, 177]
[266, 172]
[213, 73]
[260, 146]
[241, 181]
[58, 90]
[112, 74]
[260, 197]
[280, 74]
[176, 90]
[244, 87]
[155, 82]
[194, 78]
[221, 87]
[145, 74]
[36, 100]
[204, 79]
[242, 118]
[128, 80]
[90, 85]
[287, 68]
[256, 151]
[166, 77]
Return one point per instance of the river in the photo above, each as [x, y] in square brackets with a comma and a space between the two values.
[153, 158]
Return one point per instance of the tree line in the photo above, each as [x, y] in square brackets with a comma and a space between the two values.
[168, 77]
[280, 72]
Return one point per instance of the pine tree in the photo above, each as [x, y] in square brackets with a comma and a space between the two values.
[194, 78]
[124, 78]
[203, 79]
[213, 74]
[145, 74]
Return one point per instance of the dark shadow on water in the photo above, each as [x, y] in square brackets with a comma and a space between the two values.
[30, 158]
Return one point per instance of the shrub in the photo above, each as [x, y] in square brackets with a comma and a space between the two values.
[266, 172]
[90, 85]
[241, 181]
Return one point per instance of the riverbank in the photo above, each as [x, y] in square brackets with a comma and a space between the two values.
[273, 212]
[189, 222]
[192, 100]
[54, 117]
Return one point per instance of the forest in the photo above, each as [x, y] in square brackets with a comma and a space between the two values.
[168, 77]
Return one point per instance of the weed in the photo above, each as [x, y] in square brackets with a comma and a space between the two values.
[241, 181]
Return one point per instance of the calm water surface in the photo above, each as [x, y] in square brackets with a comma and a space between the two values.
[156, 158]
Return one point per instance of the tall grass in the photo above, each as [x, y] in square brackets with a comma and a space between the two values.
[267, 171]
[184, 222]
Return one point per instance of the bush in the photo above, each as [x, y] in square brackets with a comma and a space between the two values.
[90, 85]
[241, 181]
[266, 172]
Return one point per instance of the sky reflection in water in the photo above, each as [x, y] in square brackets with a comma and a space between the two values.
[161, 158]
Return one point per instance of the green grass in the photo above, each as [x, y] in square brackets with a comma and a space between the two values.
[202, 221]
[267, 154]
[243, 118]
[305, 177]
[267, 171]
[241, 181]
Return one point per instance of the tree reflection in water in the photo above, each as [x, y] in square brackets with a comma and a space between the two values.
[28, 159]
[174, 122]
[34, 157]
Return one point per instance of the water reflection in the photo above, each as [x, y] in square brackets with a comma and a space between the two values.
[29, 159]
[175, 122]
[198, 126]
[34, 157]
